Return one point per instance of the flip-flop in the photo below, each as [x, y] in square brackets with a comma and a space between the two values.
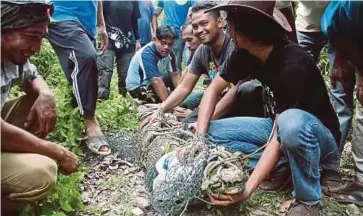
[352, 194]
[94, 143]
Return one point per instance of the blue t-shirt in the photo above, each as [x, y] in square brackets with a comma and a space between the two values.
[144, 66]
[175, 12]
[83, 12]
[146, 11]
[343, 19]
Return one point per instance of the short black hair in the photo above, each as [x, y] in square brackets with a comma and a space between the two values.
[205, 5]
[166, 31]
[261, 29]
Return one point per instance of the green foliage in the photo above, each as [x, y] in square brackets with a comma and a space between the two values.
[114, 114]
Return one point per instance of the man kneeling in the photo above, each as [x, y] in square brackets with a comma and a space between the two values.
[28, 163]
[307, 129]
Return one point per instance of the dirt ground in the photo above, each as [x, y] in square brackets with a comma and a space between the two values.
[114, 186]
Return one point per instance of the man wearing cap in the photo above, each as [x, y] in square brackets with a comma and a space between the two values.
[28, 162]
[304, 131]
[72, 34]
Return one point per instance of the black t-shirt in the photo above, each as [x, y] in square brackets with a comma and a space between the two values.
[121, 22]
[291, 79]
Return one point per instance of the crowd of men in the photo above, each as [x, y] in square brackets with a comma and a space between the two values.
[260, 58]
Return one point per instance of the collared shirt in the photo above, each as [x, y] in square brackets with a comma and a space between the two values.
[146, 64]
[10, 75]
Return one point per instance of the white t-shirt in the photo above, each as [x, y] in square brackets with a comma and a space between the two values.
[308, 15]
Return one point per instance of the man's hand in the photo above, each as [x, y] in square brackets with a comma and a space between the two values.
[68, 163]
[148, 119]
[226, 200]
[44, 113]
[104, 38]
[181, 112]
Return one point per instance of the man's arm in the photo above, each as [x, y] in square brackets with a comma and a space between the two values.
[208, 103]
[176, 97]
[154, 25]
[14, 139]
[225, 104]
[101, 27]
[159, 8]
[158, 11]
[269, 158]
[43, 111]
[159, 87]
[181, 92]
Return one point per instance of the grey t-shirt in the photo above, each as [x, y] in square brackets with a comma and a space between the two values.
[206, 62]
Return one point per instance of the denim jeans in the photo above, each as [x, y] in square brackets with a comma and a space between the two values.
[192, 101]
[342, 101]
[312, 42]
[306, 143]
[106, 64]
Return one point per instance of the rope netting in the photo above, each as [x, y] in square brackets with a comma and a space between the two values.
[182, 168]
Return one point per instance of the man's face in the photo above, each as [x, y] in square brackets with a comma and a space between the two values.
[18, 45]
[206, 27]
[164, 46]
[239, 40]
[191, 41]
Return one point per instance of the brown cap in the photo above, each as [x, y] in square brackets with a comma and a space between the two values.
[264, 8]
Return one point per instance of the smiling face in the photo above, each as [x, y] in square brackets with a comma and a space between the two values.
[191, 40]
[18, 45]
[206, 27]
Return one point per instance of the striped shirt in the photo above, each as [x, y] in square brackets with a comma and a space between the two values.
[146, 64]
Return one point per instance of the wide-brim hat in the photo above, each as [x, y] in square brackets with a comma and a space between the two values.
[264, 8]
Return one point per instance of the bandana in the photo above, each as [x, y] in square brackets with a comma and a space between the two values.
[22, 13]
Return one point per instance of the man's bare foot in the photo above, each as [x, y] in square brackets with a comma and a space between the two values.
[93, 130]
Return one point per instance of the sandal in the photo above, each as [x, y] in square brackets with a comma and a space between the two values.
[94, 143]
[331, 182]
[352, 194]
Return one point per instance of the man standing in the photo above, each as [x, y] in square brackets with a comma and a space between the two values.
[342, 23]
[148, 15]
[304, 130]
[28, 162]
[121, 24]
[309, 34]
[144, 73]
[175, 15]
[72, 35]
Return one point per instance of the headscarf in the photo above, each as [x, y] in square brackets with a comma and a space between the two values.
[22, 13]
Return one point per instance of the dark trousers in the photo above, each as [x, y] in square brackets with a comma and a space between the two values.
[77, 55]
[106, 64]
